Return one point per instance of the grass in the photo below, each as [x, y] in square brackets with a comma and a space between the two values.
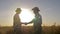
[29, 30]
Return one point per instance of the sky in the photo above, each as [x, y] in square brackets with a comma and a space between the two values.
[49, 9]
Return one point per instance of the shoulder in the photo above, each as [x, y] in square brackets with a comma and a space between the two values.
[16, 15]
[40, 15]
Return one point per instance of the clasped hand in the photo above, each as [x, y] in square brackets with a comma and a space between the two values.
[25, 23]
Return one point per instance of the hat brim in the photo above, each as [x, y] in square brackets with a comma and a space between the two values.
[35, 9]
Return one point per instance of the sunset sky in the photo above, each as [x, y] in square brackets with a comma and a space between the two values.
[50, 10]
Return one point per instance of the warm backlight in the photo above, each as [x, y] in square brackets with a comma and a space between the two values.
[26, 16]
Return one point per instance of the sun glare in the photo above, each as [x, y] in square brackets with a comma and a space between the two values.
[26, 15]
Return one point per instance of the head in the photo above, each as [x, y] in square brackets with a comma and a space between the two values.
[18, 10]
[36, 10]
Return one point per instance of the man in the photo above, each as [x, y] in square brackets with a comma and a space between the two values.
[37, 21]
[17, 22]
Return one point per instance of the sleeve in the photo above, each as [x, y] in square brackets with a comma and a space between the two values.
[32, 21]
[40, 19]
[16, 19]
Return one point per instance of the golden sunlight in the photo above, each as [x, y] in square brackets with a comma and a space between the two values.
[26, 15]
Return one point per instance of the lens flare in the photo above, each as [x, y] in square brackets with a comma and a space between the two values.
[26, 16]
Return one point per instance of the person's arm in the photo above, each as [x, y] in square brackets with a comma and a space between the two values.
[25, 23]
[40, 20]
[28, 22]
[31, 21]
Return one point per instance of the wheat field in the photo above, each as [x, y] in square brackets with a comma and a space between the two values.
[29, 30]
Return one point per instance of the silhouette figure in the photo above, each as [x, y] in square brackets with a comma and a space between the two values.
[17, 22]
[37, 21]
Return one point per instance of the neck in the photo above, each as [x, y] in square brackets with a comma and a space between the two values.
[36, 13]
[17, 13]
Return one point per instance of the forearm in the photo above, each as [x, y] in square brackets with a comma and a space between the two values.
[31, 22]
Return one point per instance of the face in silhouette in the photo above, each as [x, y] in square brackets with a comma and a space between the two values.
[36, 11]
[18, 10]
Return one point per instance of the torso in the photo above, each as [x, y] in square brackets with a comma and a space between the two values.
[37, 20]
[17, 22]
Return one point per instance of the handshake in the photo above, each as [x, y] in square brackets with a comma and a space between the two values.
[25, 23]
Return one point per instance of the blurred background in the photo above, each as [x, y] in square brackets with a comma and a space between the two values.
[49, 9]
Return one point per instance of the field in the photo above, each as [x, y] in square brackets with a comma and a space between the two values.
[29, 30]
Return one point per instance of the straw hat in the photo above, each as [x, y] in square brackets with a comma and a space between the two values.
[18, 9]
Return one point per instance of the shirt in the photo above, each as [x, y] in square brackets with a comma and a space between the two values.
[37, 20]
[17, 23]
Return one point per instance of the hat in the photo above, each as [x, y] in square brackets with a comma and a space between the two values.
[36, 8]
[18, 9]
